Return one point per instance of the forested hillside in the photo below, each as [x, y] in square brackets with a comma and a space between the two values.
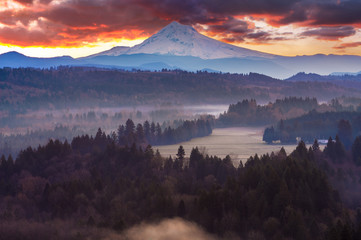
[101, 185]
[66, 87]
[315, 125]
[126, 134]
[250, 113]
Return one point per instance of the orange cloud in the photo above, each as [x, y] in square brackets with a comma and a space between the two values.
[348, 45]
[78, 22]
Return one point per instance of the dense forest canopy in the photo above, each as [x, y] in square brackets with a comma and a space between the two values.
[126, 134]
[249, 113]
[104, 185]
[65, 87]
[316, 125]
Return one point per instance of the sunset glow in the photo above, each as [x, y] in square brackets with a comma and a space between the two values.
[45, 28]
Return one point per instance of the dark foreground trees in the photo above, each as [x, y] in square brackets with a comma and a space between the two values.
[106, 186]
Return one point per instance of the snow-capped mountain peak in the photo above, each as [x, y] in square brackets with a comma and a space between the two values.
[183, 40]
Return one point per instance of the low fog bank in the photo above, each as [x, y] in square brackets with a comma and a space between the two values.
[91, 118]
[168, 229]
[34, 128]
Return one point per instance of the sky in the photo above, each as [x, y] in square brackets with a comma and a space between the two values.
[47, 28]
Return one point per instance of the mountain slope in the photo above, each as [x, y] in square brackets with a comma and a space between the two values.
[115, 51]
[182, 40]
[15, 60]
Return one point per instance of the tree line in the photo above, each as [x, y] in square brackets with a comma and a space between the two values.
[152, 133]
[141, 134]
[107, 186]
[249, 113]
[316, 125]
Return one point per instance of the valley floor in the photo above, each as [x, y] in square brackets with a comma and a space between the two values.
[240, 143]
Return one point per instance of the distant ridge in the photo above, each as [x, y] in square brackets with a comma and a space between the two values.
[346, 73]
[15, 60]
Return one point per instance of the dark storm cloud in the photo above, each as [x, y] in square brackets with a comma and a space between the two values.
[257, 36]
[347, 12]
[236, 7]
[121, 14]
[282, 12]
[260, 36]
[11, 18]
[298, 14]
[330, 33]
[315, 12]
[83, 19]
[234, 39]
[24, 1]
[230, 26]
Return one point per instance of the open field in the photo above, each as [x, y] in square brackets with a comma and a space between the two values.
[240, 143]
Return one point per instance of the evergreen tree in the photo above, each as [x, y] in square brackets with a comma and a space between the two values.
[181, 153]
[158, 133]
[147, 133]
[121, 133]
[195, 157]
[208, 127]
[300, 151]
[340, 152]
[3, 161]
[330, 149]
[269, 135]
[140, 133]
[315, 146]
[356, 151]
[129, 127]
[152, 131]
[345, 133]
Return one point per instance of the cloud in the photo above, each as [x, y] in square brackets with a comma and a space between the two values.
[296, 15]
[348, 45]
[230, 26]
[24, 1]
[234, 30]
[236, 7]
[330, 33]
[21, 36]
[321, 12]
[76, 21]
[73, 22]
[259, 35]
[346, 12]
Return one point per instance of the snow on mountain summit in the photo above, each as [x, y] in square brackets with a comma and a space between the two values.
[182, 40]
